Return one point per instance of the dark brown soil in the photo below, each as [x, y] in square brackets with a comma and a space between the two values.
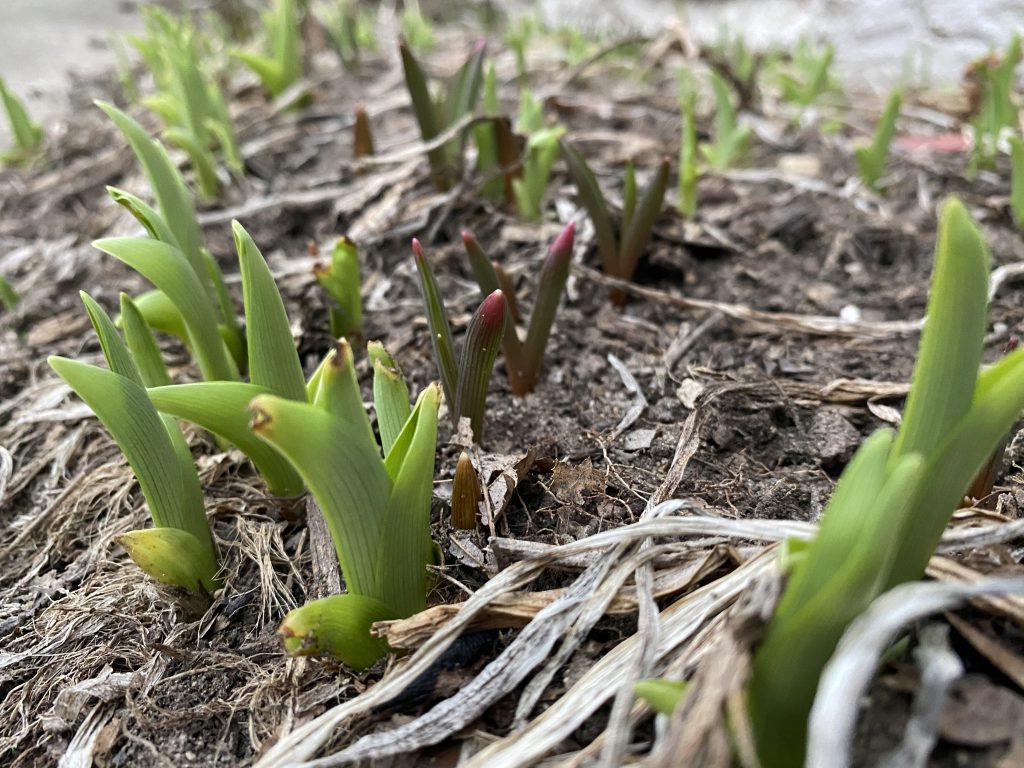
[85, 636]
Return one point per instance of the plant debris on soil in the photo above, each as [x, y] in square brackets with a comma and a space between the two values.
[633, 500]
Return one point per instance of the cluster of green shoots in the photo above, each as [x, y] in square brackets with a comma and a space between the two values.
[516, 161]
[188, 97]
[994, 109]
[349, 25]
[465, 376]
[807, 78]
[315, 434]
[279, 66]
[896, 496]
[28, 136]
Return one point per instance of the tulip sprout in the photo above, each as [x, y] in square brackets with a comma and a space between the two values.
[179, 549]
[456, 99]
[896, 496]
[464, 377]
[871, 159]
[619, 254]
[27, 135]
[340, 278]
[731, 139]
[523, 358]
[281, 66]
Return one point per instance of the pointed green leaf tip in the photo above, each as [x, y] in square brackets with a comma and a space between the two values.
[440, 329]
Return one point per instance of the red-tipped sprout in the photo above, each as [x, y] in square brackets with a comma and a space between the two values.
[465, 382]
[523, 358]
[479, 351]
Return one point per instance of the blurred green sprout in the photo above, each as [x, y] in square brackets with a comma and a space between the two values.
[28, 136]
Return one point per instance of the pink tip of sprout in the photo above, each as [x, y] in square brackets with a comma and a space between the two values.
[467, 237]
[417, 249]
[492, 309]
[563, 243]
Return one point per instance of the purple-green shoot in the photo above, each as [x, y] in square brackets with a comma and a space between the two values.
[456, 99]
[620, 252]
[523, 358]
[464, 378]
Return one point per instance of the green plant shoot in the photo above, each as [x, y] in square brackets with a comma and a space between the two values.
[175, 225]
[179, 550]
[995, 110]
[281, 66]
[435, 115]
[8, 296]
[340, 278]
[731, 139]
[687, 202]
[896, 497]
[28, 136]
[871, 159]
[377, 509]
[1017, 179]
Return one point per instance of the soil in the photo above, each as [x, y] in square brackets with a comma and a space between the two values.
[96, 659]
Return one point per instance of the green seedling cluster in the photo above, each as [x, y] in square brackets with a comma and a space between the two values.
[994, 109]
[28, 136]
[340, 278]
[179, 549]
[871, 158]
[516, 162]
[436, 114]
[896, 496]
[808, 77]
[465, 375]
[542, 149]
[280, 66]
[350, 27]
[732, 58]
[619, 253]
[523, 357]
[190, 300]
[374, 497]
[188, 95]
[417, 29]
[731, 140]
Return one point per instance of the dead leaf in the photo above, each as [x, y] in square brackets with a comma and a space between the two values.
[569, 483]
